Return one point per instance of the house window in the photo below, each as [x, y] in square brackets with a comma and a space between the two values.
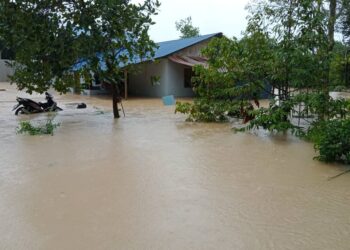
[155, 80]
[188, 74]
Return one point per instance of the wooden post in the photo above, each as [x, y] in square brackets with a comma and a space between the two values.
[115, 96]
[125, 84]
[346, 68]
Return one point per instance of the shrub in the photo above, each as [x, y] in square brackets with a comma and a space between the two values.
[45, 129]
[339, 88]
[204, 110]
[322, 105]
[332, 140]
[274, 119]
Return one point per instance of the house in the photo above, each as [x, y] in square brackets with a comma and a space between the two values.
[170, 71]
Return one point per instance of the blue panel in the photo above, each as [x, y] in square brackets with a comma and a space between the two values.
[168, 100]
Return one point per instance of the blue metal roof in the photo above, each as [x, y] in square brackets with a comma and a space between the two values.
[170, 47]
[164, 49]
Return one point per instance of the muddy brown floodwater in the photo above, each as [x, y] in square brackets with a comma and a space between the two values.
[152, 181]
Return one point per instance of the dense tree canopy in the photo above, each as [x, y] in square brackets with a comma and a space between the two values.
[50, 37]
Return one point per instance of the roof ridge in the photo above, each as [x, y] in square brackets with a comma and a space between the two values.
[193, 37]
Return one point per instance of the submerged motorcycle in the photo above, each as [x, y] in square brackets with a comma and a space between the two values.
[28, 106]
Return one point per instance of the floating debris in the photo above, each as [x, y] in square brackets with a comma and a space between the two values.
[81, 106]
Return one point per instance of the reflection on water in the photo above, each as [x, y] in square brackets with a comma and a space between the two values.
[153, 181]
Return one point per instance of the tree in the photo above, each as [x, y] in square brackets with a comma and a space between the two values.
[345, 30]
[290, 45]
[186, 28]
[345, 21]
[51, 37]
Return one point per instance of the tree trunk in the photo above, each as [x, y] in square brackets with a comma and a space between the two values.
[113, 81]
[115, 99]
[331, 27]
[346, 68]
[331, 24]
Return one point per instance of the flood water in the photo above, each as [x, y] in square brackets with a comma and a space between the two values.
[153, 181]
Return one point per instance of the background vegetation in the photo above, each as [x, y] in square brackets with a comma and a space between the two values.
[288, 52]
[186, 28]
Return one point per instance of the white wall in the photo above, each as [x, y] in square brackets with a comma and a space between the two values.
[171, 80]
[176, 81]
[139, 83]
[4, 71]
[171, 76]
[175, 72]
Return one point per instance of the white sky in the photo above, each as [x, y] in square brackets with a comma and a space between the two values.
[211, 16]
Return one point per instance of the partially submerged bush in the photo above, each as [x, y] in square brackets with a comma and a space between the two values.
[273, 120]
[332, 140]
[339, 88]
[25, 127]
[203, 110]
[322, 105]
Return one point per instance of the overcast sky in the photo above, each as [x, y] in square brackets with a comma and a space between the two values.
[211, 16]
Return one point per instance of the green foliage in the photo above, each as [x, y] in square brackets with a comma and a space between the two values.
[222, 88]
[49, 37]
[273, 119]
[340, 65]
[339, 88]
[186, 28]
[203, 110]
[290, 46]
[235, 76]
[299, 57]
[344, 20]
[322, 106]
[25, 127]
[332, 140]
[236, 68]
